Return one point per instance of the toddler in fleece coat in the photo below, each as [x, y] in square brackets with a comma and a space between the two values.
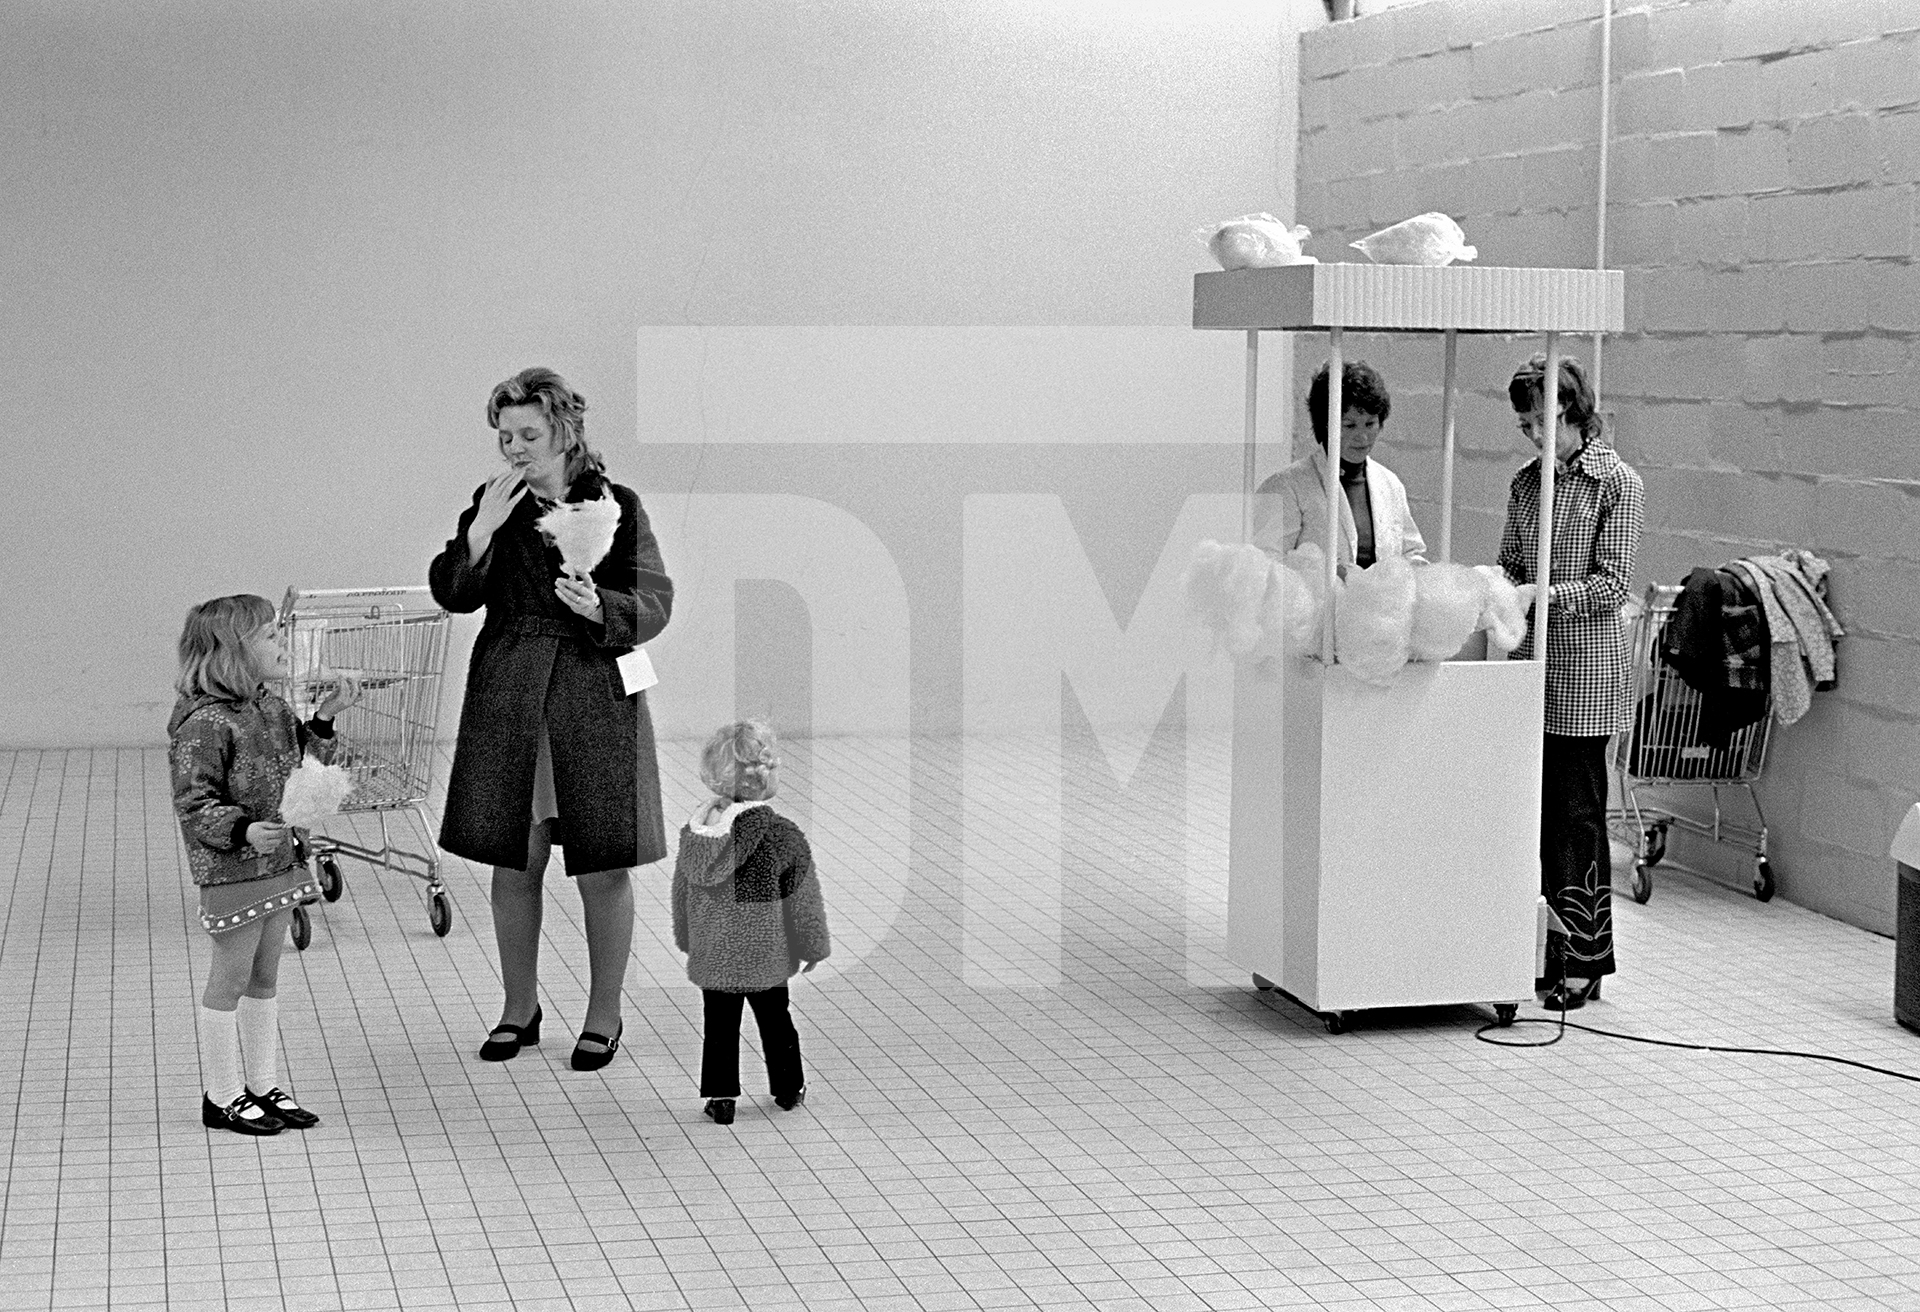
[748, 913]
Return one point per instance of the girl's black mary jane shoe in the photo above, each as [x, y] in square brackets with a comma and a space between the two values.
[234, 1116]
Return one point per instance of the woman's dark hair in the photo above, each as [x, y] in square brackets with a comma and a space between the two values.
[1361, 388]
[565, 411]
[1529, 383]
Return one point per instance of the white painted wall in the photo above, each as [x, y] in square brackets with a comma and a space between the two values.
[262, 264]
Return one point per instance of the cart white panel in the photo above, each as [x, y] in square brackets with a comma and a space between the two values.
[1386, 846]
[1409, 298]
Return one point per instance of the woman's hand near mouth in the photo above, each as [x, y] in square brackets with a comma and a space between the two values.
[503, 490]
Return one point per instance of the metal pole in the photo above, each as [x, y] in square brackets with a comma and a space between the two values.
[1600, 202]
[1336, 367]
[1446, 448]
[1549, 444]
[1251, 439]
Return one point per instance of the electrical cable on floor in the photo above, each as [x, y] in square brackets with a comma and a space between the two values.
[1563, 1025]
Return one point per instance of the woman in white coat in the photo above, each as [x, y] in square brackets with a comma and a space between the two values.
[1375, 522]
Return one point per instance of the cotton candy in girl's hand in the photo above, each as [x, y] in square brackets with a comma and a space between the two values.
[313, 792]
[1373, 625]
[1448, 599]
[583, 531]
[1224, 584]
[1503, 619]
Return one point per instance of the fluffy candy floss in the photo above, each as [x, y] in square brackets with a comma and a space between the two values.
[1257, 241]
[1224, 585]
[1448, 600]
[1373, 624]
[1430, 239]
[583, 531]
[1290, 617]
[1503, 619]
[314, 792]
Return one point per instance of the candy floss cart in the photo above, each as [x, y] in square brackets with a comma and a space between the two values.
[1385, 839]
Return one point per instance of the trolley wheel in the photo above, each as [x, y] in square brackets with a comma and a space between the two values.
[1504, 1012]
[332, 882]
[1655, 846]
[439, 913]
[1335, 1021]
[1642, 886]
[1262, 983]
[302, 928]
[1763, 879]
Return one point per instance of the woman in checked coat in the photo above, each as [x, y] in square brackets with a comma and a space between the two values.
[1599, 509]
[552, 749]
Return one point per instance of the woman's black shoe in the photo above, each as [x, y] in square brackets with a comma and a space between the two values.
[233, 1116]
[1564, 998]
[593, 1061]
[518, 1037]
[719, 1110]
[786, 1102]
[277, 1101]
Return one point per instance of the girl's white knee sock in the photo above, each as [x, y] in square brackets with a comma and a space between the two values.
[259, 1027]
[220, 1055]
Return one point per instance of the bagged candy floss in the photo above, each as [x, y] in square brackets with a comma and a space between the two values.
[1448, 600]
[1431, 238]
[313, 792]
[1225, 586]
[1256, 241]
[1373, 626]
[1503, 619]
[583, 531]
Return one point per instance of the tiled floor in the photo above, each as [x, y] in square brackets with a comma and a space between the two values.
[1147, 1133]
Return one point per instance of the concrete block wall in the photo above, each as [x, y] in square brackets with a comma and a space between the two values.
[1763, 172]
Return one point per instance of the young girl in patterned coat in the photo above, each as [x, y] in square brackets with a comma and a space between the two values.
[233, 744]
[748, 913]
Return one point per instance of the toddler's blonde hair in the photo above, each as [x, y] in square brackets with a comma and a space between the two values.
[214, 660]
[741, 761]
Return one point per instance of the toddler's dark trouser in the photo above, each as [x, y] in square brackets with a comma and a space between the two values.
[779, 1040]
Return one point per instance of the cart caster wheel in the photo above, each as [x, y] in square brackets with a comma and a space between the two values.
[1763, 880]
[1335, 1022]
[1504, 1012]
[332, 883]
[1642, 886]
[439, 914]
[302, 928]
[1262, 983]
[1655, 847]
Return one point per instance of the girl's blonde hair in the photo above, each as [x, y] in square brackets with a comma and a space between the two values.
[741, 761]
[214, 660]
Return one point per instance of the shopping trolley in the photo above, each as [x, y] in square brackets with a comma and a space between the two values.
[1664, 750]
[394, 640]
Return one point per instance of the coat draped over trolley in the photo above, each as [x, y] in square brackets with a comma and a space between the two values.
[538, 668]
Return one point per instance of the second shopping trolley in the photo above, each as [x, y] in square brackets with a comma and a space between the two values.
[1666, 750]
[394, 641]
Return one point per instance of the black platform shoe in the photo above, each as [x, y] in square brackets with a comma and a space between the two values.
[593, 1061]
[719, 1110]
[518, 1037]
[278, 1101]
[1564, 998]
[786, 1102]
[234, 1116]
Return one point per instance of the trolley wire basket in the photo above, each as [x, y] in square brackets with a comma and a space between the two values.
[1666, 749]
[394, 641]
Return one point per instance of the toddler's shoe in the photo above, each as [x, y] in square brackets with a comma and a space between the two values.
[243, 1116]
[281, 1104]
[787, 1102]
[720, 1110]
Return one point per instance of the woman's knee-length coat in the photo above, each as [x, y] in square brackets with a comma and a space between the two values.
[536, 660]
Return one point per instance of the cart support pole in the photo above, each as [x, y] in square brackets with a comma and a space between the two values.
[1336, 369]
[1549, 447]
[1446, 447]
[1251, 438]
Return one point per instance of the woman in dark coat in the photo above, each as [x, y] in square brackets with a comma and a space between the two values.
[553, 749]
